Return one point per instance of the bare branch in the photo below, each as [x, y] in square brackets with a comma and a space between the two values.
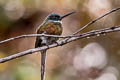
[95, 20]
[33, 35]
[62, 42]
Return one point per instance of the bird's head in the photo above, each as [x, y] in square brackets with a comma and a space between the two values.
[54, 17]
[57, 17]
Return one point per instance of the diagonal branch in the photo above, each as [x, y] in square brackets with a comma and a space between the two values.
[95, 20]
[62, 42]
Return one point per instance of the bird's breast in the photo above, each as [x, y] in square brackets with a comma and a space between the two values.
[51, 28]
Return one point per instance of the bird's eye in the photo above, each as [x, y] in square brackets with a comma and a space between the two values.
[56, 17]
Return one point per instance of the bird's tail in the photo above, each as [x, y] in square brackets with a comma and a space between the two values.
[43, 57]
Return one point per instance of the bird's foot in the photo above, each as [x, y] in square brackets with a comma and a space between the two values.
[47, 46]
[59, 44]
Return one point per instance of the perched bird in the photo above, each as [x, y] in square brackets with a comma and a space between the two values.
[52, 25]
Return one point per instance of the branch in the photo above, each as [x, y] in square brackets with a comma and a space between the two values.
[62, 42]
[33, 35]
[95, 20]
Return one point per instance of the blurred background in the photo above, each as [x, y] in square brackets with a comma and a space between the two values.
[94, 58]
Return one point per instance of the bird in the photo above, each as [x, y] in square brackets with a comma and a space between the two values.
[52, 25]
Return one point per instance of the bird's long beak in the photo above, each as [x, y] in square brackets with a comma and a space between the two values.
[67, 15]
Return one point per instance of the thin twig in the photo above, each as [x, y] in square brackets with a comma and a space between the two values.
[60, 43]
[95, 20]
[33, 35]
